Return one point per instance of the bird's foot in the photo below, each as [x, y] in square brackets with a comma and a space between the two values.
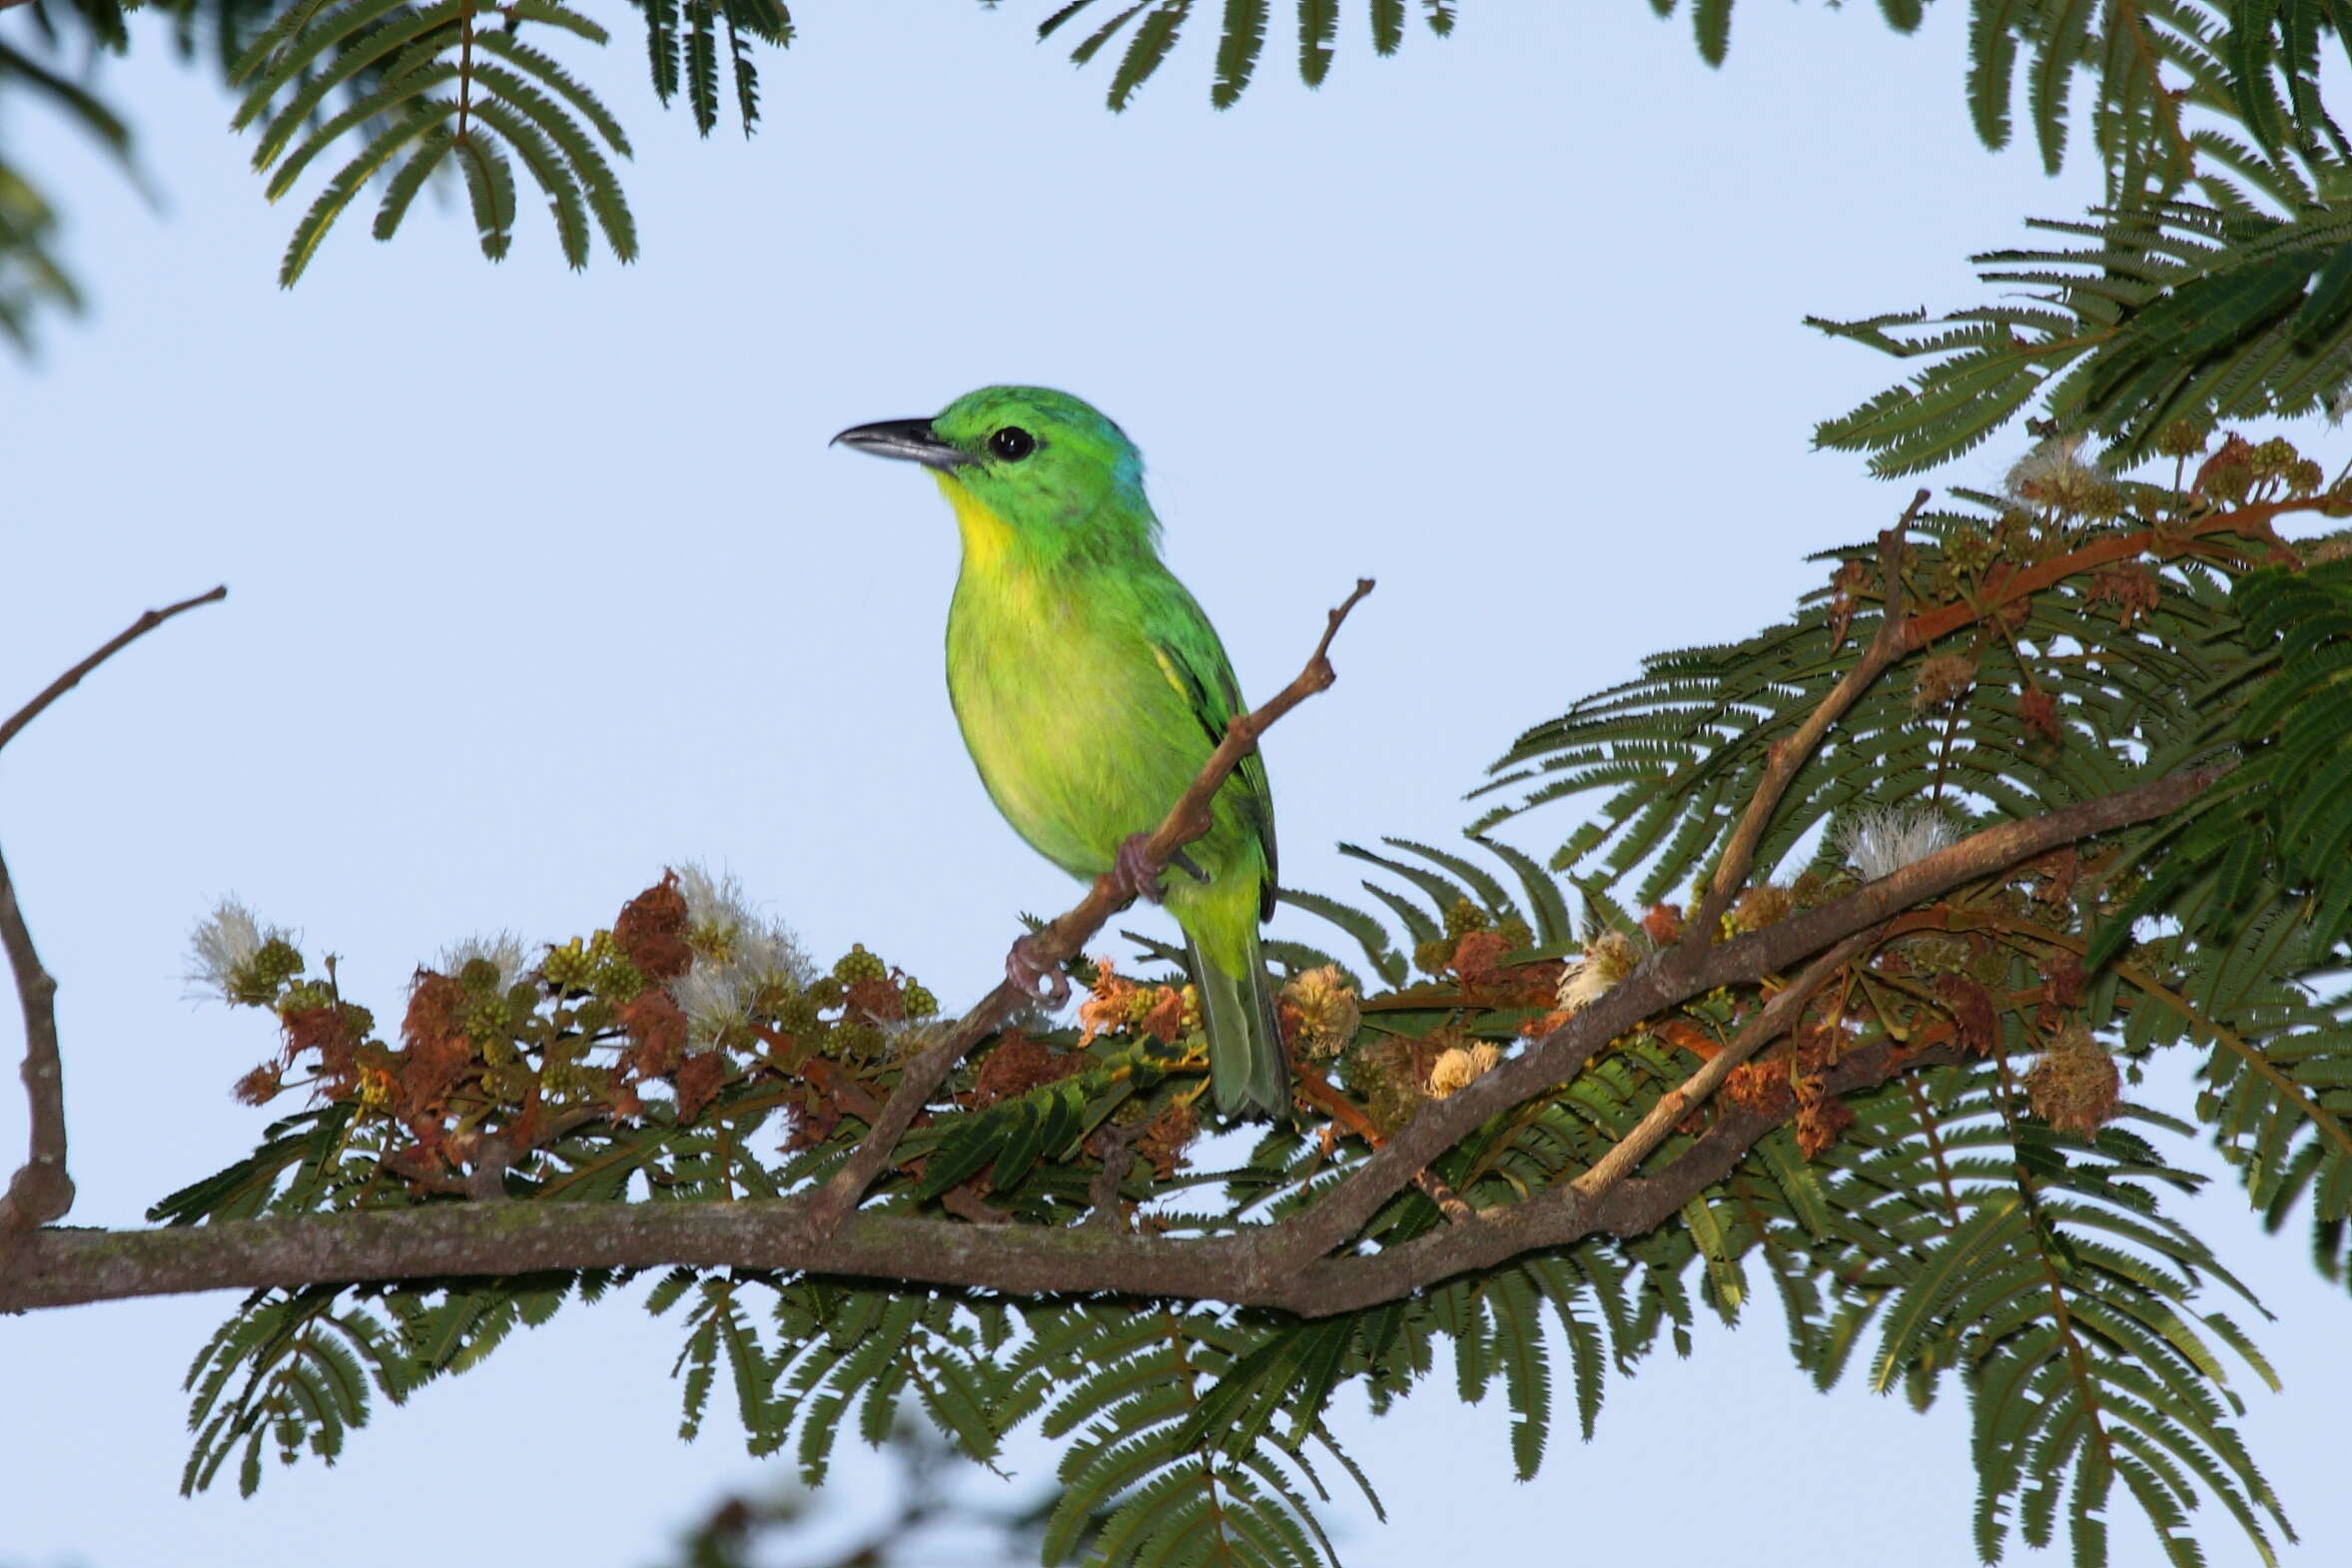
[1035, 974]
[1131, 871]
[1132, 875]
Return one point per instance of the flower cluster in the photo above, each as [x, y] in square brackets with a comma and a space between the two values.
[1115, 1005]
[1320, 1013]
[687, 998]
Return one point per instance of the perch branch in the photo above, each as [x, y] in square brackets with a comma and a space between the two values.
[1185, 821]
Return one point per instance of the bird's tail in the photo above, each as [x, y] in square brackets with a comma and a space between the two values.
[1246, 1064]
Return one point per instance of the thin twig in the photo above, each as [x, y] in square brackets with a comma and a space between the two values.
[1185, 821]
[122, 639]
[1890, 644]
[1115, 1145]
[1318, 1092]
[42, 1191]
[1766, 1026]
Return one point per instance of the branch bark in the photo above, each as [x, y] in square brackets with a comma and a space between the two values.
[41, 1190]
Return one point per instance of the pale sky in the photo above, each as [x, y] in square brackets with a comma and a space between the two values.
[542, 582]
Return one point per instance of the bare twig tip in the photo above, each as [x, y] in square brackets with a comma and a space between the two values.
[120, 640]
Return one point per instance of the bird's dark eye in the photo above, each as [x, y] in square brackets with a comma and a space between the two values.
[1011, 444]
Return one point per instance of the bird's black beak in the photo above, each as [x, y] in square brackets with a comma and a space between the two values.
[912, 440]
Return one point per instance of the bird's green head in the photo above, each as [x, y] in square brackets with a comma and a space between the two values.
[1046, 469]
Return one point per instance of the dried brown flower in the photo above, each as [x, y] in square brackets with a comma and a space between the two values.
[333, 1032]
[1477, 958]
[1016, 1064]
[2131, 587]
[439, 1052]
[2040, 711]
[2076, 1085]
[1942, 680]
[1819, 1122]
[2228, 473]
[1975, 1027]
[1761, 1086]
[651, 931]
[698, 1078]
[1172, 1132]
[878, 999]
[658, 1034]
[1762, 906]
[259, 1087]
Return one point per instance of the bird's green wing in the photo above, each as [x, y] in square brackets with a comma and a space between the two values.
[1195, 665]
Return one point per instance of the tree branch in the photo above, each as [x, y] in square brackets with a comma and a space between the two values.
[1185, 821]
[1283, 1265]
[41, 1190]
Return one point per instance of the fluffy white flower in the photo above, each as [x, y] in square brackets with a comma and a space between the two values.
[223, 943]
[1881, 839]
[503, 950]
[1608, 957]
[2057, 471]
[736, 952]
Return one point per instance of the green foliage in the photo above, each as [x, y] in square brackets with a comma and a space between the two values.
[2041, 1273]
[387, 94]
[681, 43]
[424, 86]
[1150, 1470]
[293, 1370]
[2189, 312]
[1982, 1239]
[32, 277]
[2214, 281]
[1153, 27]
[1985, 1206]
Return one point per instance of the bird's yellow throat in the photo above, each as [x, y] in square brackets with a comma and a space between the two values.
[986, 536]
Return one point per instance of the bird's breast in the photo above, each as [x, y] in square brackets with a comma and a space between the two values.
[1063, 709]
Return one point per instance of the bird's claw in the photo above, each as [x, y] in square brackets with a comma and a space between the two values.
[1133, 873]
[1035, 974]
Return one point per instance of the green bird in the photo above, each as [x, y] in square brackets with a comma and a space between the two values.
[1091, 688]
